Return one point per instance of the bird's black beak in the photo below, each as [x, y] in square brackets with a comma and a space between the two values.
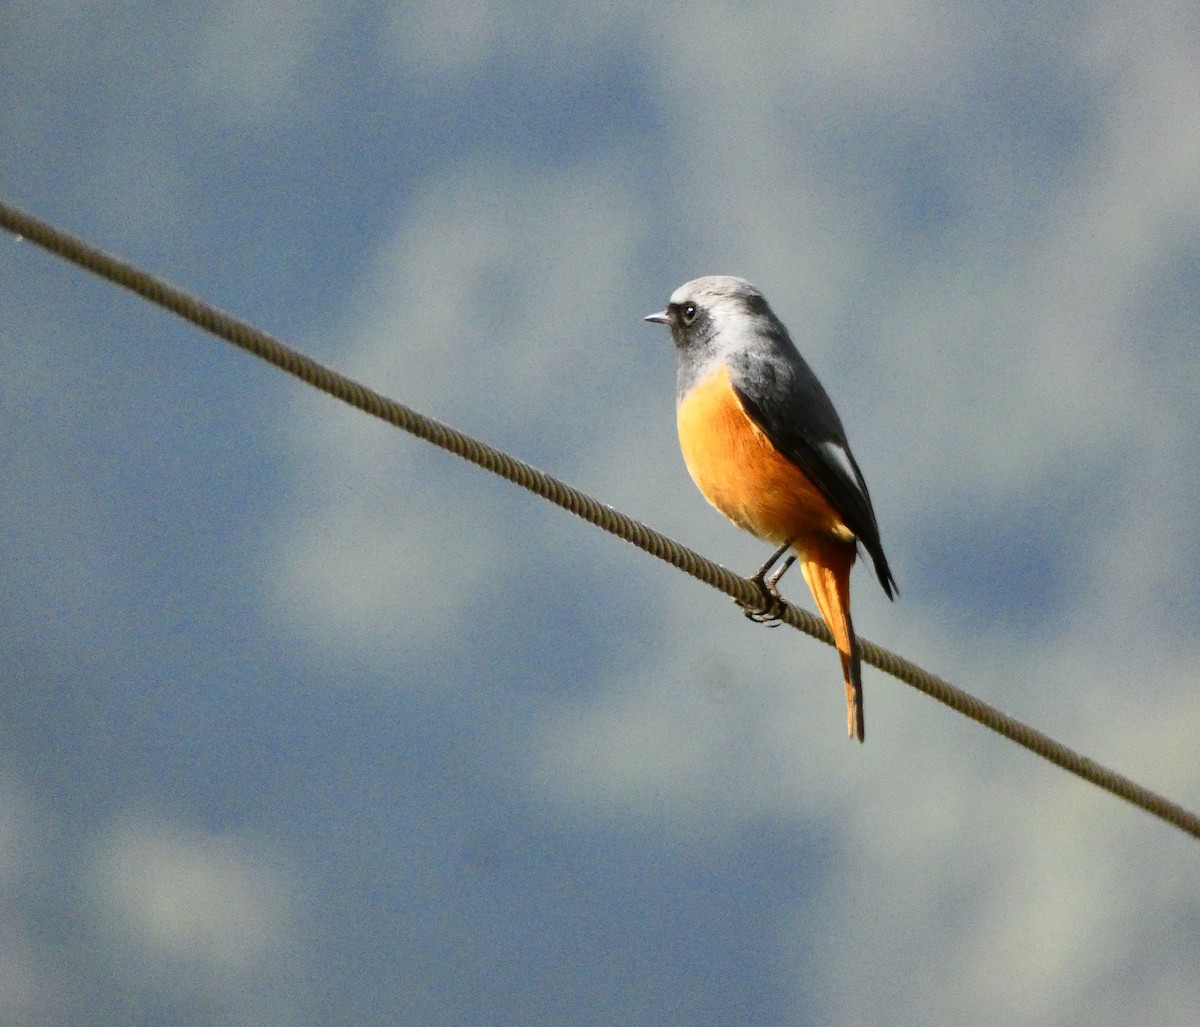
[658, 319]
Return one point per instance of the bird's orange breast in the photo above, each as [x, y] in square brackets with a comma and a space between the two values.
[742, 474]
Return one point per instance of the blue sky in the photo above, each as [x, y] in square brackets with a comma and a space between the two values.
[303, 721]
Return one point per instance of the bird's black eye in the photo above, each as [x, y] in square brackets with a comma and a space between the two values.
[688, 312]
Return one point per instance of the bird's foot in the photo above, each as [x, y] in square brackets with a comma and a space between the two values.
[768, 609]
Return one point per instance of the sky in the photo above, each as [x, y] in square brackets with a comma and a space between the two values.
[303, 721]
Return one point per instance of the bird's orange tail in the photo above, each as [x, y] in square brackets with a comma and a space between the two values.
[826, 565]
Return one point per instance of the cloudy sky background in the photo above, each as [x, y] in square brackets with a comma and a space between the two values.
[303, 721]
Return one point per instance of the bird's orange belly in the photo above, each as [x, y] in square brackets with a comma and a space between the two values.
[742, 474]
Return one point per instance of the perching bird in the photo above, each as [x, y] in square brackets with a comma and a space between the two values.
[765, 446]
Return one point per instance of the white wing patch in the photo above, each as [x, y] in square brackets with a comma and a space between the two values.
[838, 456]
[841, 459]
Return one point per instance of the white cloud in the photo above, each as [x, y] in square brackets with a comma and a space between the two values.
[206, 901]
[209, 920]
[456, 37]
[436, 39]
[250, 56]
[487, 309]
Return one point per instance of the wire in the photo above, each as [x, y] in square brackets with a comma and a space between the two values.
[266, 347]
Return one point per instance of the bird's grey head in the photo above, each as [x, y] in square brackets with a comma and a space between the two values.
[709, 317]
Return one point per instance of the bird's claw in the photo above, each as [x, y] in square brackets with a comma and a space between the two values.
[769, 608]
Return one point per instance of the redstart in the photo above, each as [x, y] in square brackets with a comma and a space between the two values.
[765, 446]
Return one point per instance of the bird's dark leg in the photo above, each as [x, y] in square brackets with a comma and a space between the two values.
[768, 609]
[773, 580]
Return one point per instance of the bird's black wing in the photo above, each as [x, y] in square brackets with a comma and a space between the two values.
[796, 414]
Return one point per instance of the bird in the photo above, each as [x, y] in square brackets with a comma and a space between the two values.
[763, 443]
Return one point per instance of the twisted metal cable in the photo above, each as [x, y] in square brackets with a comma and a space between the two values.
[273, 351]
